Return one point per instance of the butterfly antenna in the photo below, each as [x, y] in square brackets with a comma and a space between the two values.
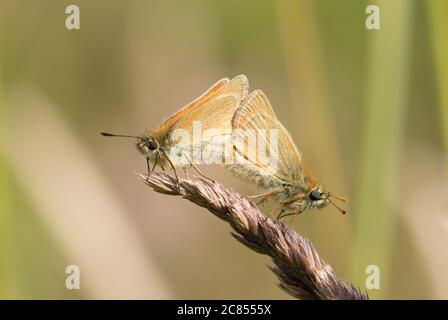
[106, 134]
[334, 204]
[344, 199]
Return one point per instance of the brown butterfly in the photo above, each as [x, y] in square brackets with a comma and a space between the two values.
[283, 177]
[213, 109]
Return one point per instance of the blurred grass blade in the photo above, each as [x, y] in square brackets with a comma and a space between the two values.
[383, 131]
[78, 204]
[426, 220]
[6, 271]
[438, 10]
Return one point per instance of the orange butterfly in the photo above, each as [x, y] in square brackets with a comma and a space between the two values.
[284, 176]
[214, 109]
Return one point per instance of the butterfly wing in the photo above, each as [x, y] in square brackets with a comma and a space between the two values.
[203, 137]
[185, 116]
[238, 85]
[162, 130]
[211, 113]
[256, 120]
[212, 119]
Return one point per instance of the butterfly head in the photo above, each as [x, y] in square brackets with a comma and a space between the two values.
[147, 145]
[318, 198]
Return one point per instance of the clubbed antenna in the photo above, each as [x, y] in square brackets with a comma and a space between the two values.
[106, 134]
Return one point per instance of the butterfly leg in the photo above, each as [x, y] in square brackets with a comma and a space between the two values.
[255, 196]
[290, 213]
[174, 169]
[284, 214]
[280, 215]
[262, 200]
[264, 196]
[147, 167]
[272, 213]
[153, 166]
[185, 172]
[200, 172]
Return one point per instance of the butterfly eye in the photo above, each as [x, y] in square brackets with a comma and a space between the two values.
[152, 144]
[315, 195]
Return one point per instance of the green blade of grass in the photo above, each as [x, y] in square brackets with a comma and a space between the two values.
[439, 25]
[6, 271]
[383, 129]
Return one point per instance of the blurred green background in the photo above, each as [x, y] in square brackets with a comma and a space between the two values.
[367, 108]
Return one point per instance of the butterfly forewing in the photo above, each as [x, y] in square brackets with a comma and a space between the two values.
[213, 119]
[255, 119]
[163, 129]
[215, 132]
[210, 113]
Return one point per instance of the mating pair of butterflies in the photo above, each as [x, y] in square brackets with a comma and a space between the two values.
[227, 107]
